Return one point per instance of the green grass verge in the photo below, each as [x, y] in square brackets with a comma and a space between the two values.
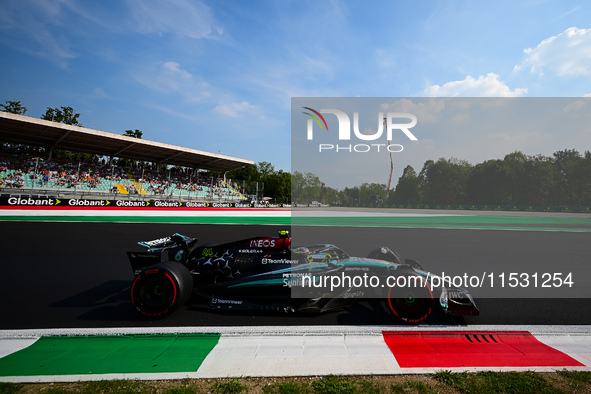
[440, 382]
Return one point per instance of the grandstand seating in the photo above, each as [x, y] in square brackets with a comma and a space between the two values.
[123, 186]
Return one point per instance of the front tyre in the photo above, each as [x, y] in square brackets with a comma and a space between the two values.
[160, 289]
[411, 299]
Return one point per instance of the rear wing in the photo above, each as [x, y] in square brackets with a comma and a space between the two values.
[177, 248]
[160, 244]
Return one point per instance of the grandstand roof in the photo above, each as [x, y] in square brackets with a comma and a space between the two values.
[26, 130]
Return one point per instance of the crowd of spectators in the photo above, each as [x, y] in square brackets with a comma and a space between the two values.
[99, 175]
[41, 173]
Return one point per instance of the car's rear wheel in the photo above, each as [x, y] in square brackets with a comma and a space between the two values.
[160, 289]
[411, 299]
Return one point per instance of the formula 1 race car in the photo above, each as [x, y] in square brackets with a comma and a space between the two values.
[266, 273]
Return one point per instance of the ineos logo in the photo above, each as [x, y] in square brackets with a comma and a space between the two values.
[262, 243]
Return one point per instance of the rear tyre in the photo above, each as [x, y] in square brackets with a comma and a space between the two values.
[160, 289]
[411, 300]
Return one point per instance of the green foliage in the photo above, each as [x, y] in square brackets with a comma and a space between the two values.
[228, 387]
[497, 382]
[10, 388]
[63, 115]
[580, 376]
[407, 190]
[450, 378]
[308, 187]
[246, 173]
[134, 133]
[518, 179]
[13, 107]
[411, 386]
[287, 388]
[332, 384]
[115, 386]
[181, 390]
[369, 388]
[263, 180]
[278, 186]
[441, 382]
[580, 381]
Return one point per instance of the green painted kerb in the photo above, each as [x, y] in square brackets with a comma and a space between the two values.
[465, 222]
[125, 354]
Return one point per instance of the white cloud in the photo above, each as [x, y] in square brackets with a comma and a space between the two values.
[566, 54]
[184, 18]
[173, 68]
[575, 106]
[234, 110]
[426, 111]
[385, 58]
[169, 77]
[485, 86]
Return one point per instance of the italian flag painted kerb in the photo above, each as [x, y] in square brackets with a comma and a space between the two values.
[209, 355]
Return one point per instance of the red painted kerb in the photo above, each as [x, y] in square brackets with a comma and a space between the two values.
[456, 349]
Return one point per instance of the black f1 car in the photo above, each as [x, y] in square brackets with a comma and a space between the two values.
[266, 273]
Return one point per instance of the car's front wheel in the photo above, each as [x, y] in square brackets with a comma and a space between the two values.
[411, 299]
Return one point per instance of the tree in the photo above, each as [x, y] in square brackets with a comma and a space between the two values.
[407, 189]
[278, 186]
[308, 187]
[246, 173]
[64, 115]
[584, 174]
[265, 169]
[445, 181]
[488, 183]
[134, 133]
[566, 166]
[372, 193]
[351, 196]
[13, 107]
[312, 187]
[514, 163]
[297, 187]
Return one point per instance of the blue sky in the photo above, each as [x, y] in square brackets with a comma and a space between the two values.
[220, 75]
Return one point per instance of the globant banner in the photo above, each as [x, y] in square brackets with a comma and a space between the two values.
[26, 201]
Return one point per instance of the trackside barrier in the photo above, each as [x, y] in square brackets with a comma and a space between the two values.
[51, 201]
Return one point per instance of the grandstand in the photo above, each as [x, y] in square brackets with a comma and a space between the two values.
[46, 176]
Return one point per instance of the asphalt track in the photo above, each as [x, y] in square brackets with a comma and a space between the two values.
[76, 275]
